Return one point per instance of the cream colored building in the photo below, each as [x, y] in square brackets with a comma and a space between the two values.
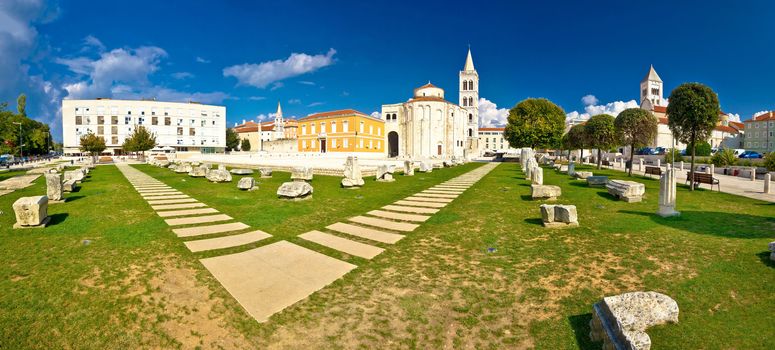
[492, 140]
[429, 126]
[183, 126]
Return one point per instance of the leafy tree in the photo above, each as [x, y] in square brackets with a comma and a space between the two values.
[21, 104]
[245, 146]
[769, 161]
[692, 114]
[601, 134]
[724, 157]
[703, 149]
[92, 144]
[535, 122]
[576, 138]
[32, 134]
[232, 140]
[635, 127]
[141, 140]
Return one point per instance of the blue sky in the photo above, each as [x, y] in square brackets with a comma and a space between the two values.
[324, 55]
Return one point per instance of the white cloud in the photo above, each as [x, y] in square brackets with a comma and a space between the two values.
[294, 101]
[276, 86]
[256, 98]
[182, 75]
[591, 108]
[376, 114]
[589, 100]
[760, 113]
[490, 115]
[201, 60]
[262, 74]
[124, 73]
[733, 117]
[315, 104]
[91, 41]
[304, 82]
[265, 117]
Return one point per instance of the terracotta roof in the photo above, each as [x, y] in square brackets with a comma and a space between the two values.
[766, 116]
[725, 128]
[252, 126]
[737, 125]
[429, 85]
[428, 98]
[663, 120]
[492, 129]
[338, 113]
[661, 109]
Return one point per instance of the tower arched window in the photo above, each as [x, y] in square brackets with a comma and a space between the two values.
[465, 85]
[470, 84]
[470, 118]
[470, 101]
[465, 100]
[470, 132]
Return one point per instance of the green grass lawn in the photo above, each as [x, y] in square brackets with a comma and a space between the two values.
[482, 273]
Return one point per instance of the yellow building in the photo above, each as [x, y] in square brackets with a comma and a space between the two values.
[345, 130]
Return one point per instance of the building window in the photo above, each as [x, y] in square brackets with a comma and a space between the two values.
[127, 120]
[312, 128]
[465, 100]
[100, 130]
[114, 140]
[304, 144]
[345, 126]
[333, 126]
[470, 132]
[114, 120]
[167, 121]
[333, 143]
[191, 132]
[100, 120]
[371, 130]
[346, 143]
[78, 120]
[465, 85]
[361, 143]
[470, 118]
[362, 130]
[180, 131]
[114, 130]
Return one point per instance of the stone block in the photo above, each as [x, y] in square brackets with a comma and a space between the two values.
[621, 321]
[301, 173]
[184, 168]
[597, 181]
[31, 211]
[548, 192]
[583, 174]
[237, 171]
[352, 173]
[628, 191]
[559, 215]
[425, 167]
[295, 190]
[219, 175]
[247, 184]
[385, 173]
[54, 187]
[69, 186]
[265, 172]
[408, 168]
[198, 171]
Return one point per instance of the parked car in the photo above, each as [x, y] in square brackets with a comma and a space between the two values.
[647, 151]
[750, 155]
[738, 151]
[659, 151]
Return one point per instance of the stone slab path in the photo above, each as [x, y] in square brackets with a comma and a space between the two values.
[267, 279]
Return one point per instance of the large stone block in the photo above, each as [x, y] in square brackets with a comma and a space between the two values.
[198, 171]
[408, 168]
[628, 191]
[247, 184]
[184, 168]
[31, 211]
[621, 321]
[295, 190]
[559, 215]
[76, 175]
[219, 175]
[385, 173]
[583, 174]
[301, 173]
[70, 186]
[54, 187]
[425, 167]
[597, 181]
[772, 251]
[237, 171]
[352, 173]
[548, 192]
[265, 172]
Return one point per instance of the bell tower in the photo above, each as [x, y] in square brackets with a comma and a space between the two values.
[651, 88]
[469, 99]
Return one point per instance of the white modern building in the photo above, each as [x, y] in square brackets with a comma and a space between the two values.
[428, 126]
[492, 140]
[183, 126]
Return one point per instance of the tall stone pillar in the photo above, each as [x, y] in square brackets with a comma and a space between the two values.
[667, 194]
[54, 187]
[767, 179]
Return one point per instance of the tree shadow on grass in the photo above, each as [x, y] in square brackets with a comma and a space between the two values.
[580, 184]
[580, 325]
[73, 198]
[731, 225]
[535, 221]
[57, 218]
[607, 195]
[526, 197]
[765, 258]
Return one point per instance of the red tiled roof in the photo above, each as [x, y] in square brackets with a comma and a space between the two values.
[737, 125]
[660, 109]
[725, 128]
[766, 116]
[491, 129]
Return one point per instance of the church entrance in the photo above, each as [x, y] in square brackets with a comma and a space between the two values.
[392, 144]
[322, 145]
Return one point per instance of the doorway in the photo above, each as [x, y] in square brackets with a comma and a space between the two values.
[322, 145]
[392, 144]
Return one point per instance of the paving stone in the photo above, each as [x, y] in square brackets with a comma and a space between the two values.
[364, 232]
[226, 241]
[450, 187]
[197, 219]
[421, 204]
[169, 196]
[150, 196]
[435, 195]
[178, 206]
[429, 199]
[166, 214]
[268, 279]
[404, 209]
[345, 245]
[206, 230]
[398, 216]
[172, 201]
[386, 224]
[442, 191]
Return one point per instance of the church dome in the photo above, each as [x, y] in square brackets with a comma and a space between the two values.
[429, 90]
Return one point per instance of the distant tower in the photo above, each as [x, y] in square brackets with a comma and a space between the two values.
[651, 89]
[469, 98]
[279, 124]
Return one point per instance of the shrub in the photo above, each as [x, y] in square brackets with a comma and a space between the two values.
[724, 157]
[769, 161]
[673, 155]
[703, 149]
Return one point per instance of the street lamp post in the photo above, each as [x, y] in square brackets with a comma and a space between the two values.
[21, 146]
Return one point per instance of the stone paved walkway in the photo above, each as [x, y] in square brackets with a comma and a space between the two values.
[267, 279]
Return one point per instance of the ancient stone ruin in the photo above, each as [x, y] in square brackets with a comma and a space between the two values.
[548, 192]
[302, 173]
[385, 173]
[54, 187]
[628, 191]
[184, 168]
[597, 181]
[582, 174]
[295, 190]
[537, 175]
[352, 173]
[219, 175]
[247, 184]
[621, 321]
[408, 168]
[772, 251]
[667, 194]
[31, 212]
[199, 171]
[425, 167]
[559, 215]
[265, 172]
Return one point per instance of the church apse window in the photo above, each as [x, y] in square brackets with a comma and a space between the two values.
[655, 91]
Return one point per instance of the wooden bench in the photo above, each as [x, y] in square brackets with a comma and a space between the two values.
[653, 170]
[702, 178]
[605, 163]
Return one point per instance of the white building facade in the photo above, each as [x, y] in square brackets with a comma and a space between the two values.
[429, 126]
[183, 126]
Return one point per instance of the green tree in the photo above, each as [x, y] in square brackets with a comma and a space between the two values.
[691, 115]
[601, 134]
[673, 155]
[769, 161]
[245, 146]
[535, 122]
[232, 140]
[576, 138]
[724, 157]
[140, 140]
[635, 127]
[21, 104]
[703, 149]
[92, 144]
